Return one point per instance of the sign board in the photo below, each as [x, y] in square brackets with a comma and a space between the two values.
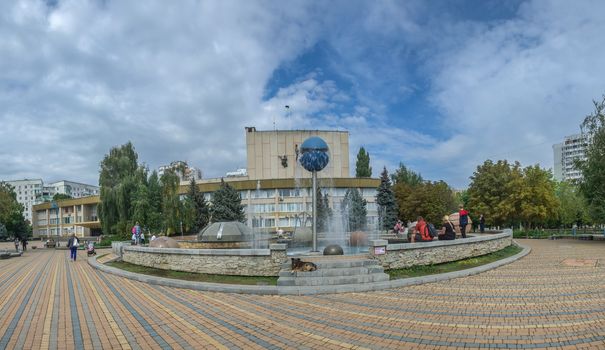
[380, 250]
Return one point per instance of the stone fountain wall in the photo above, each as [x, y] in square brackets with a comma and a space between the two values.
[243, 262]
[395, 256]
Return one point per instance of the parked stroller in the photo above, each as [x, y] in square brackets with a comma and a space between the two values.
[90, 249]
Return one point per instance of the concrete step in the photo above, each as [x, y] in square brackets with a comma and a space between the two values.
[335, 264]
[331, 272]
[332, 280]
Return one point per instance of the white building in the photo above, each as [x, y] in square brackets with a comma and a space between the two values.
[27, 190]
[33, 191]
[565, 153]
[183, 170]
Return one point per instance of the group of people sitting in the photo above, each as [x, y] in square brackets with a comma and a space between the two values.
[425, 232]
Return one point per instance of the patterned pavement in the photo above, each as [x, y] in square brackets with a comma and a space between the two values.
[552, 298]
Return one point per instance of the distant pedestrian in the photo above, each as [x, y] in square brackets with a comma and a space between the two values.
[463, 220]
[142, 238]
[136, 231]
[73, 245]
[481, 223]
[17, 244]
[24, 243]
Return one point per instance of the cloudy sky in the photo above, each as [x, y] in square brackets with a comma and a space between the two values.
[438, 85]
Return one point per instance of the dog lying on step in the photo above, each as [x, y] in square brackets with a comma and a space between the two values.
[305, 266]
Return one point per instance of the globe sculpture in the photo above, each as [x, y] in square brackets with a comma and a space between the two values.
[314, 157]
[333, 249]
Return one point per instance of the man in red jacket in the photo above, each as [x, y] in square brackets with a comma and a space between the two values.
[463, 218]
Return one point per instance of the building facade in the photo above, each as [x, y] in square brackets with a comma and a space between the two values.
[183, 170]
[33, 191]
[566, 153]
[276, 190]
[66, 217]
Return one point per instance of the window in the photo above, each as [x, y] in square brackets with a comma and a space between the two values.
[287, 192]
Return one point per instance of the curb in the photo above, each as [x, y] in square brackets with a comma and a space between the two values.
[293, 290]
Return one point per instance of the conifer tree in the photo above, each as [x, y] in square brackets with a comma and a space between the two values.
[385, 199]
[227, 205]
[201, 211]
[362, 166]
[353, 210]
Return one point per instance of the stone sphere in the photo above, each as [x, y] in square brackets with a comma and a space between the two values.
[333, 249]
[314, 154]
[164, 242]
[358, 238]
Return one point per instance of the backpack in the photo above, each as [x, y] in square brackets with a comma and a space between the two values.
[134, 230]
[431, 229]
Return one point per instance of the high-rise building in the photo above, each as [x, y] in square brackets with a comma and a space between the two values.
[566, 153]
[182, 169]
[33, 191]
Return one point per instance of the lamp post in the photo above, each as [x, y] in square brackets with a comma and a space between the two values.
[314, 157]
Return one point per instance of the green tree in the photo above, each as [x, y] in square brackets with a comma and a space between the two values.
[403, 175]
[592, 184]
[538, 202]
[431, 200]
[362, 166]
[353, 210]
[324, 212]
[119, 178]
[172, 208]
[11, 212]
[573, 208]
[489, 192]
[200, 210]
[3, 231]
[154, 215]
[61, 196]
[226, 205]
[385, 199]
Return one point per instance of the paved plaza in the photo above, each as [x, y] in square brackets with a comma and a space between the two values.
[552, 298]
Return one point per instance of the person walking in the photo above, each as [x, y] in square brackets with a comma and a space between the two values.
[73, 245]
[463, 220]
[24, 243]
[17, 244]
[481, 223]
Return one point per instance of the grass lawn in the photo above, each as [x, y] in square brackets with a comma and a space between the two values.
[198, 277]
[417, 271]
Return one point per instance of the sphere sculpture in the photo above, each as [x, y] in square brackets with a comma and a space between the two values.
[314, 154]
[358, 239]
[164, 242]
[333, 249]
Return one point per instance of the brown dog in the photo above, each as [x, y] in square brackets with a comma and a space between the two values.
[305, 266]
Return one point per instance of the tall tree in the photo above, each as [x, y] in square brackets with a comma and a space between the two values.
[154, 215]
[430, 200]
[573, 208]
[353, 210]
[11, 212]
[385, 199]
[592, 183]
[490, 191]
[119, 178]
[199, 207]
[172, 209]
[227, 205]
[324, 212]
[403, 175]
[538, 200]
[362, 166]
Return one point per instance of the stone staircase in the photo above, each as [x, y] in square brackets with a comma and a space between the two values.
[333, 273]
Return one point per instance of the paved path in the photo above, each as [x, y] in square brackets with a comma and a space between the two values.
[49, 302]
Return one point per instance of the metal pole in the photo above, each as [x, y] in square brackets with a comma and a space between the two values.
[314, 198]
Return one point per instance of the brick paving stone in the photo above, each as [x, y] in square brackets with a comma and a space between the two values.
[554, 298]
